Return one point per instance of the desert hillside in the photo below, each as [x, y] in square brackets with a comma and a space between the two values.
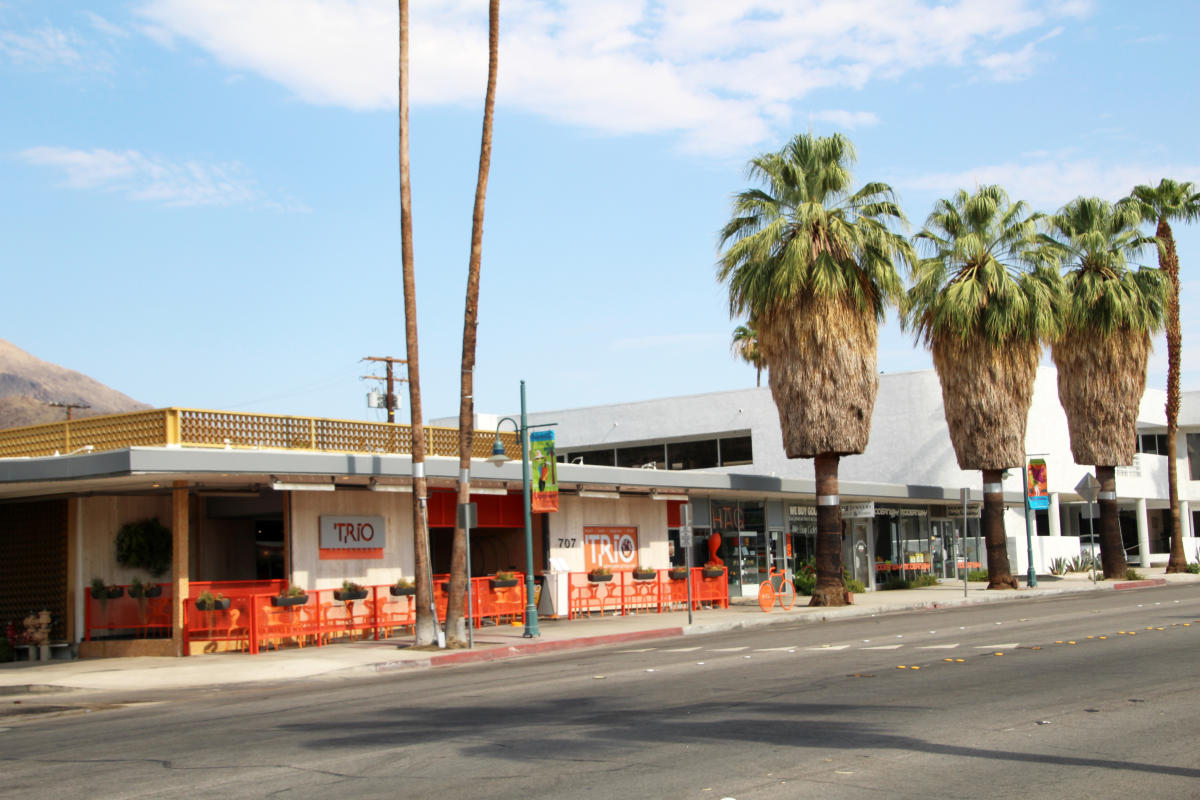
[28, 385]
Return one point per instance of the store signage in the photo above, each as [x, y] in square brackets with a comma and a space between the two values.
[858, 510]
[1035, 484]
[613, 547]
[544, 464]
[352, 537]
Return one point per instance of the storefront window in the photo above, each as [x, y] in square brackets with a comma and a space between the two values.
[692, 455]
[1193, 448]
[642, 456]
[736, 451]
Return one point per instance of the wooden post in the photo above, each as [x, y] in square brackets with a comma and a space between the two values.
[179, 562]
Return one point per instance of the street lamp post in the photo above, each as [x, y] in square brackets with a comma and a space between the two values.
[498, 457]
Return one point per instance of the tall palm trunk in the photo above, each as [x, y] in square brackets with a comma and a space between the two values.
[1170, 265]
[992, 522]
[466, 410]
[830, 589]
[426, 624]
[1112, 547]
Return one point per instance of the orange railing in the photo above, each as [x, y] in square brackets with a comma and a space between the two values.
[191, 427]
[626, 595]
[144, 617]
[248, 619]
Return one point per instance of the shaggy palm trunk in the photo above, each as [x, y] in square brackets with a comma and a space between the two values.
[1170, 265]
[456, 603]
[992, 522]
[425, 625]
[1112, 548]
[830, 589]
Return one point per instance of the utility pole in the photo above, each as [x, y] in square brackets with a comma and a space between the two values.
[69, 406]
[389, 379]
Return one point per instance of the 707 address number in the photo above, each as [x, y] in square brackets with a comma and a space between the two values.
[566, 542]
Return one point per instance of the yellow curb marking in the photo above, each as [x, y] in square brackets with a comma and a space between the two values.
[960, 660]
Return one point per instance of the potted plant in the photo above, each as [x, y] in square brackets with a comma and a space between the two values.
[677, 573]
[402, 587]
[350, 591]
[207, 601]
[712, 570]
[600, 575]
[294, 596]
[504, 579]
[142, 590]
[102, 591]
[641, 573]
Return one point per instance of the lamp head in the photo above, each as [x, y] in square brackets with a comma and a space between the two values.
[498, 455]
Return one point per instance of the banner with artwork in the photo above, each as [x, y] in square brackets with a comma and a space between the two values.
[1036, 490]
[544, 472]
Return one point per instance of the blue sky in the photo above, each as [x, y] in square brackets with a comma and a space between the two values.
[201, 203]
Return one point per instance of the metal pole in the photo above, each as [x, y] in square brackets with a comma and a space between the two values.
[470, 595]
[531, 620]
[1092, 537]
[966, 572]
[1031, 577]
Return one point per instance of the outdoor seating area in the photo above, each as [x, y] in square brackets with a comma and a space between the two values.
[622, 593]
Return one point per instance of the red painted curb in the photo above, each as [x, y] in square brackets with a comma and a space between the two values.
[1141, 584]
[530, 648]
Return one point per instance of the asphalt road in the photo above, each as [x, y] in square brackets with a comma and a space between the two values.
[1091, 696]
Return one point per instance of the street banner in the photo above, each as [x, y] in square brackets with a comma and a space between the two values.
[1039, 496]
[544, 466]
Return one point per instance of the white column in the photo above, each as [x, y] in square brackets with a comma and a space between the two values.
[1185, 519]
[1055, 516]
[1143, 530]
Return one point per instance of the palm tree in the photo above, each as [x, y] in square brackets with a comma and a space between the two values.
[1170, 200]
[425, 626]
[1108, 313]
[455, 604]
[745, 346]
[813, 264]
[983, 311]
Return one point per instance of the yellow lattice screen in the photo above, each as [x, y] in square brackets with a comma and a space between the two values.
[190, 427]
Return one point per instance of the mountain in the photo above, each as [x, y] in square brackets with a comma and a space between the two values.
[28, 385]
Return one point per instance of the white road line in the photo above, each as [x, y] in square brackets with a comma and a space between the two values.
[828, 647]
[643, 650]
[884, 647]
[937, 647]
[680, 649]
[774, 649]
[1008, 646]
[729, 649]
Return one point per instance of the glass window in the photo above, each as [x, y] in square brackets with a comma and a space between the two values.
[1153, 443]
[642, 455]
[736, 451]
[1193, 448]
[692, 455]
[601, 458]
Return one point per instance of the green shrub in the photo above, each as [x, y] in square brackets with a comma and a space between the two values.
[977, 575]
[145, 544]
[895, 582]
[923, 580]
[854, 585]
[1194, 568]
[1132, 574]
[1059, 566]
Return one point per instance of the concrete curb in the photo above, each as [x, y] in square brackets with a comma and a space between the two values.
[1145, 584]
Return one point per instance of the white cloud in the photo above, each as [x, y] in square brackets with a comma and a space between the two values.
[720, 74]
[847, 119]
[154, 179]
[41, 49]
[1049, 182]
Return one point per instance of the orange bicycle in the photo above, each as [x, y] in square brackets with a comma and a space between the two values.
[776, 587]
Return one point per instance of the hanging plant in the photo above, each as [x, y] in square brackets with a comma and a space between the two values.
[145, 544]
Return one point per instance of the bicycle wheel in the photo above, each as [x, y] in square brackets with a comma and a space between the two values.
[766, 596]
[787, 595]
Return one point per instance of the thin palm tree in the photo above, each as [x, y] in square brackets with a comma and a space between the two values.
[984, 309]
[425, 627]
[813, 264]
[745, 346]
[1109, 310]
[1160, 205]
[456, 602]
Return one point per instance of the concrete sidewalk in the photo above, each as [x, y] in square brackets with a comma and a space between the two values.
[503, 642]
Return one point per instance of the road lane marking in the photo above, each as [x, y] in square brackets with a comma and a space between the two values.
[1009, 646]
[828, 647]
[884, 647]
[937, 646]
[681, 649]
[730, 649]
